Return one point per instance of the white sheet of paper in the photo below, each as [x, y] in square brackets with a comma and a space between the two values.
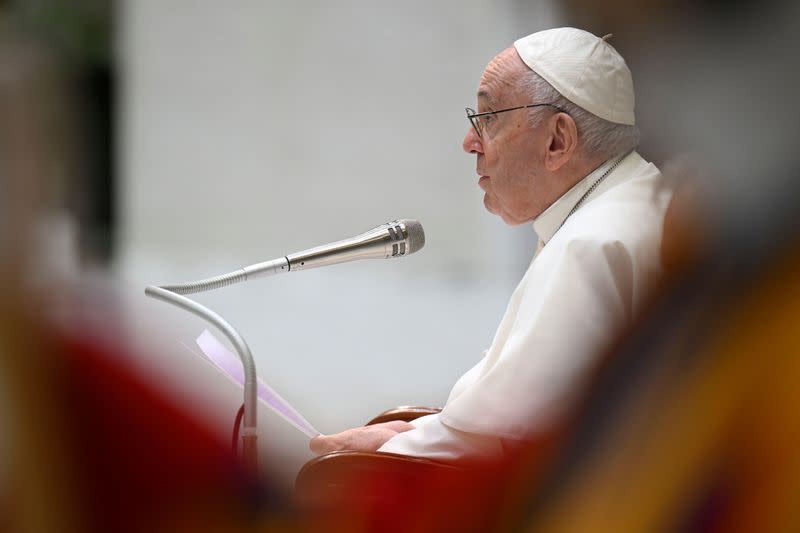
[229, 364]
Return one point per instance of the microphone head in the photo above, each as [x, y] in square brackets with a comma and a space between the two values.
[415, 235]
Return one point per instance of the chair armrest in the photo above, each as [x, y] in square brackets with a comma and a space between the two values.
[376, 491]
[405, 413]
[333, 475]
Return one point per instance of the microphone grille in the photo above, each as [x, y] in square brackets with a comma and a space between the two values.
[416, 235]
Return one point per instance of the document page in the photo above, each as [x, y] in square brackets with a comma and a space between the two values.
[229, 364]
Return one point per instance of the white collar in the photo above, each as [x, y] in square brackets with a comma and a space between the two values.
[547, 223]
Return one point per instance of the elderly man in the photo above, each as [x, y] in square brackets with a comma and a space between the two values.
[554, 138]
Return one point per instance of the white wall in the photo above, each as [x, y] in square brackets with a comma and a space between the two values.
[253, 129]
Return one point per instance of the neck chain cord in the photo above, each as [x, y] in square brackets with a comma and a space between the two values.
[594, 186]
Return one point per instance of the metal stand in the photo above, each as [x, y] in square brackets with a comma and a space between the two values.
[173, 294]
[249, 433]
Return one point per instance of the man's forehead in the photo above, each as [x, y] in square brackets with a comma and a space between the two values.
[494, 91]
[500, 77]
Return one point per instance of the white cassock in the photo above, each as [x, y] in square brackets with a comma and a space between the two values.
[585, 283]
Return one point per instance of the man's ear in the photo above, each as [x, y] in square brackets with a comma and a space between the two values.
[563, 141]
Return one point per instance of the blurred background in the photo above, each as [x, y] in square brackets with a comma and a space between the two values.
[148, 142]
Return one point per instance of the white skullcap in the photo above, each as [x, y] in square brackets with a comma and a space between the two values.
[585, 69]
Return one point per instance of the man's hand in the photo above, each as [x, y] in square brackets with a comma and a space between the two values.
[362, 439]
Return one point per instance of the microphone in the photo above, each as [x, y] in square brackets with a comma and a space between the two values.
[393, 239]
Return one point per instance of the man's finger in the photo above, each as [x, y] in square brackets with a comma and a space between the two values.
[319, 444]
[397, 425]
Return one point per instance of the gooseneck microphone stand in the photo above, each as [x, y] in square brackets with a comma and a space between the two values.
[174, 294]
[393, 239]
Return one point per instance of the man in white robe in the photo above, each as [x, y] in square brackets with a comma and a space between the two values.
[554, 137]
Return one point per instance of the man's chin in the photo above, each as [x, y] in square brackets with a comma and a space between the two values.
[493, 209]
[505, 217]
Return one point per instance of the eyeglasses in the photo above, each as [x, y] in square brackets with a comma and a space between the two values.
[479, 120]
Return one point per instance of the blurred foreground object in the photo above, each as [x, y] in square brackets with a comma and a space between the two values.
[94, 447]
[89, 445]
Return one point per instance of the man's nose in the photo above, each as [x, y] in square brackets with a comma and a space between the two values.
[472, 143]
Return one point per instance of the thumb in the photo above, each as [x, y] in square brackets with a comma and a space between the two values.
[317, 444]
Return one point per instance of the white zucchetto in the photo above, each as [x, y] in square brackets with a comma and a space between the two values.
[584, 68]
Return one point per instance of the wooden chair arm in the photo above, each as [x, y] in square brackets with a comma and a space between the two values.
[333, 475]
[406, 413]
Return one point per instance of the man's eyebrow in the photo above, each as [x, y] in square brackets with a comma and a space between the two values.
[485, 94]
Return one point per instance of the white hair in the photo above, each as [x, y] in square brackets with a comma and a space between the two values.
[596, 136]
